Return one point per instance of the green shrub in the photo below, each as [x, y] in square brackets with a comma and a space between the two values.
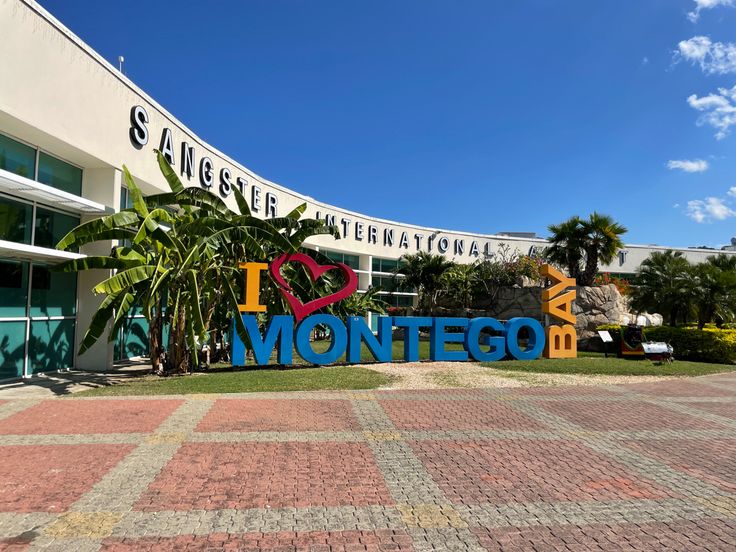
[708, 345]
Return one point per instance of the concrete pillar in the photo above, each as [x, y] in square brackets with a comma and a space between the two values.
[365, 279]
[102, 186]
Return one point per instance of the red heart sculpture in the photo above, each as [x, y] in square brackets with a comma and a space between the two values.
[300, 309]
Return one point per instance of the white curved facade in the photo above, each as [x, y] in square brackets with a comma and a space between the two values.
[59, 96]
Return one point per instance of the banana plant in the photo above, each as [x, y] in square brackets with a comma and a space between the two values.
[177, 259]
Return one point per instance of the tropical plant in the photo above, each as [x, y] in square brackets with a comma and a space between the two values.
[178, 260]
[461, 283]
[423, 271]
[713, 290]
[602, 243]
[663, 286]
[566, 246]
[579, 245]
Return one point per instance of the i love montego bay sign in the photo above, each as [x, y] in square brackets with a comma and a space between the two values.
[483, 338]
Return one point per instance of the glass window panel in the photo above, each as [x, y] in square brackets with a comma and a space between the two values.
[12, 349]
[352, 261]
[53, 293]
[51, 346]
[17, 158]
[15, 221]
[52, 226]
[132, 340]
[60, 175]
[13, 289]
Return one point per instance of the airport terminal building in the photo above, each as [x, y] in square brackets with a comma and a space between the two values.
[69, 121]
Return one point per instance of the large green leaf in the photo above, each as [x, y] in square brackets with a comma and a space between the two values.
[121, 313]
[139, 204]
[88, 263]
[99, 321]
[194, 301]
[169, 173]
[297, 212]
[241, 202]
[91, 231]
[151, 224]
[125, 279]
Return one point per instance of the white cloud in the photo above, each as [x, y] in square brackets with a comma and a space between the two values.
[645, 60]
[688, 165]
[706, 5]
[713, 57]
[732, 191]
[718, 110]
[709, 209]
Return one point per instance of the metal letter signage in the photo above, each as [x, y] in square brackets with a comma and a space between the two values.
[482, 339]
[315, 271]
[561, 339]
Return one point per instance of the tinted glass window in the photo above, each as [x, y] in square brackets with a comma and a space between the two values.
[60, 175]
[17, 158]
[53, 293]
[52, 226]
[15, 221]
[13, 289]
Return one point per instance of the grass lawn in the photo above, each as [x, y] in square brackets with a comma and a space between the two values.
[223, 380]
[595, 364]
[249, 381]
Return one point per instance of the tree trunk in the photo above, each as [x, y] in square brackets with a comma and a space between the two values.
[178, 350]
[591, 269]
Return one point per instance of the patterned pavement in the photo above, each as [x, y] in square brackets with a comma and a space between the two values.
[630, 467]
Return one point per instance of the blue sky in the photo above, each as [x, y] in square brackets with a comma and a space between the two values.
[477, 115]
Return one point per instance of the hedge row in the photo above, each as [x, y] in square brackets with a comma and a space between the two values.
[708, 345]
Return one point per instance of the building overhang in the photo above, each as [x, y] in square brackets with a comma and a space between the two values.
[12, 251]
[26, 188]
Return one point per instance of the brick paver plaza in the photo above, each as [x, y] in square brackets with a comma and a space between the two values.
[630, 467]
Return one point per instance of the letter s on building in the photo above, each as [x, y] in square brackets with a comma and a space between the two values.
[138, 129]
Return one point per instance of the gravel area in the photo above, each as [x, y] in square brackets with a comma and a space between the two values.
[435, 375]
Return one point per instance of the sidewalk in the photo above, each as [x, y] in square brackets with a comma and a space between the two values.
[647, 466]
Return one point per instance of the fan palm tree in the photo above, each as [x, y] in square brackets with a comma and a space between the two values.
[602, 243]
[423, 271]
[714, 290]
[579, 245]
[566, 245]
[663, 285]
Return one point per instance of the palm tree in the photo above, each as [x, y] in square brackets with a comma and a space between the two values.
[579, 245]
[602, 242]
[663, 285]
[566, 245]
[714, 291]
[423, 271]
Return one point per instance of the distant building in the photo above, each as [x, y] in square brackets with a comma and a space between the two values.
[731, 247]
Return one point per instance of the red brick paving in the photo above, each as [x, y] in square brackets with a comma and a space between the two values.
[727, 410]
[279, 415]
[682, 387]
[257, 475]
[684, 536]
[502, 471]
[90, 416]
[318, 541]
[562, 391]
[470, 414]
[49, 478]
[713, 460]
[624, 415]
